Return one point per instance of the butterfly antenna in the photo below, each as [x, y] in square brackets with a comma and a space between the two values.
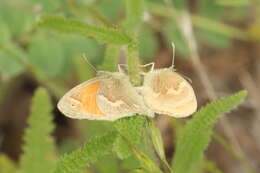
[151, 64]
[173, 55]
[89, 63]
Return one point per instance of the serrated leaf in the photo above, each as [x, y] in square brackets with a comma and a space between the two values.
[197, 132]
[72, 26]
[39, 149]
[95, 148]
[108, 164]
[121, 148]
[144, 160]
[132, 128]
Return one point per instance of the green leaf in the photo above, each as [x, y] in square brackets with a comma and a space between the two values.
[72, 26]
[210, 9]
[47, 55]
[144, 160]
[112, 9]
[94, 149]
[46, 5]
[121, 148]
[237, 3]
[39, 149]
[180, 4]
[5, 33]
[130, 163]
[148, 44]
[18, 21]
[158, 145]
[214, 39]
[107, 164]
[198, 131]
[132, 128]
[6, 165]
[10, 64]
[75, 45]
[172, 34]
[211, 167]
[157, 139]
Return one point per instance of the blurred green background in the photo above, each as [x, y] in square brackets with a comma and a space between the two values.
[227, 33]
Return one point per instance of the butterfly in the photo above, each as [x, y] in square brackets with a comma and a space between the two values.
[110, 95]
[167, 92]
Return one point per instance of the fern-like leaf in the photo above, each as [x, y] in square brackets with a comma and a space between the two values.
[95, 148]
[132, 128]
[72, 26]
[197, 132]
[39, 148]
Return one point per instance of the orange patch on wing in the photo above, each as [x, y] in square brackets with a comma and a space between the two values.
[87, 97]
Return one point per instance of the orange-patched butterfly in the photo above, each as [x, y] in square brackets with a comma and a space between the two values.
[167, 92]
[109, 96]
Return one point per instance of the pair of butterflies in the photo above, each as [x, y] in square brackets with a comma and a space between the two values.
[111, 96]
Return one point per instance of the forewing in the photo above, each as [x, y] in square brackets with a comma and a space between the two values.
[80, 102]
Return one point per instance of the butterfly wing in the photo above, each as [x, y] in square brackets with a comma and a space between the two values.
[167, 92]
[103, 98]
[118, 98]
[80, 102]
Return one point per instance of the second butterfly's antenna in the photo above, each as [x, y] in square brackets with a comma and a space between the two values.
[173, 54]
[89, 63]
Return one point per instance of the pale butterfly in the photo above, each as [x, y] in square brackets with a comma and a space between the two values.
[109, 96]
[167, 92]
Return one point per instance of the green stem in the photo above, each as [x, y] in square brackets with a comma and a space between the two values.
[133, 63]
